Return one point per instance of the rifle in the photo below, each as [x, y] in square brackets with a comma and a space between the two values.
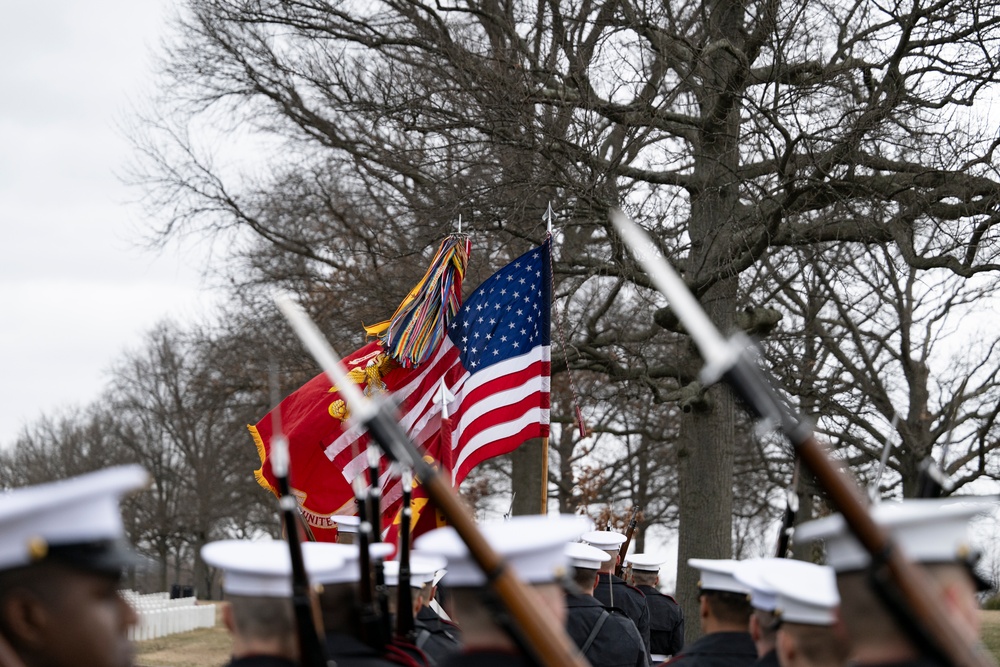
[312, 651]
[873, 492]
[510, 510]
[929, 625]
[788, 519]
[534, 629]
[623, 551]
[375, 517]
[932, 480]
[405, 628]
[371, 624]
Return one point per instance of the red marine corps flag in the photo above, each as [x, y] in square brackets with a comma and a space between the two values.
[495, 360]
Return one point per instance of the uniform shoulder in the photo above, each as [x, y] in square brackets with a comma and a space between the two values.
[635, 589]
[657, 593]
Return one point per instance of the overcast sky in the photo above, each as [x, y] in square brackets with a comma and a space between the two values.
[76, 289]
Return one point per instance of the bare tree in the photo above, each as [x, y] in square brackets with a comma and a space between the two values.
[728, 127]
[179, 416]
[897, 341]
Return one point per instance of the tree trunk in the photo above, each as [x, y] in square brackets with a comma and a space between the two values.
[708, 435]
[526, 477]
[706, 496]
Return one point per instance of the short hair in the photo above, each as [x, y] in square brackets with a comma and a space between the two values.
[584, 578]
[768, 623]
[341, 609]
[729, 607]
[472, 607]
[644, 577]
[818, 644]
[45, 580]
[42, 580]
[266, 618]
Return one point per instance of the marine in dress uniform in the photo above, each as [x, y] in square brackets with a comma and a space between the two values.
[257, 584]
[613, 592]
[533, 548]
[422, 569]
[347, 528]
[724, 610]
[763, 621]
[606, 639]
[437, 636]
[340, 605]
[806, 602]
[933, 532]
[62, 551]
[666, 620]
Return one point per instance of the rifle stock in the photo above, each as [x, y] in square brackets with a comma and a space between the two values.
[927, 622]
[623, 550]
[537, 631]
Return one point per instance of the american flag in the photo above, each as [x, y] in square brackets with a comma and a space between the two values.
[495, 361]
[501, 339]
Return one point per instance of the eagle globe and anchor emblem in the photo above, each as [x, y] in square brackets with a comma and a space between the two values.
[376, 365]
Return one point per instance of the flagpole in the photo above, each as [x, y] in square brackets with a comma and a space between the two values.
[545, 475]
[545, 441]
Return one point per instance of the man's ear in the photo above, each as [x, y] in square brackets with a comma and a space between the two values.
[227, 618]
[25, 617]
[755, 631]
[787, 650]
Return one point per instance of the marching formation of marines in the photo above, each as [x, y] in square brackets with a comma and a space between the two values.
[62, 553]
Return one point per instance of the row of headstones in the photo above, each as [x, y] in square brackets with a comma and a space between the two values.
[160, 616]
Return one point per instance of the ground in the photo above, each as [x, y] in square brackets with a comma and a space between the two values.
[205, 647]
[209, 647]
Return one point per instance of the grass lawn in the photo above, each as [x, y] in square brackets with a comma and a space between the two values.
[209, 647]
[991, 632]
[204, 647]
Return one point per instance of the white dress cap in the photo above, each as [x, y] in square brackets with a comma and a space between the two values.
[717, 575]
[76, 521]
[606, 540]
[806, 592]
[532, 546]
[264, 568]
[934, 530]
[350, 570]
[422, 569]
[645, 562]
[750, 573]
[346, 523]
[586, 556]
